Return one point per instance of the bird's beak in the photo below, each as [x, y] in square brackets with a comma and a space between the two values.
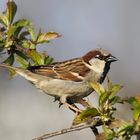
[111, 59]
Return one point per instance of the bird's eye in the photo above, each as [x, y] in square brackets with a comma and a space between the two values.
[97, 56]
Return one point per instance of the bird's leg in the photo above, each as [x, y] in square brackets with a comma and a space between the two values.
[73, 108]
[83, 102]
[70, 104]
[60, 104]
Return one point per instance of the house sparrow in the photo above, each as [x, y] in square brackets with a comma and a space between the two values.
[69, 80]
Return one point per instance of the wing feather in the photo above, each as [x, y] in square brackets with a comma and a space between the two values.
[72, 70]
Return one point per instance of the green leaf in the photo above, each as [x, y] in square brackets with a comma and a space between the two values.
[32, 33]
[114, 90]
[136, 113]
[85, 115]
[103, 94]
[22, 23]
[103, 98]
[2, 43]
[8, 43]
[48, 60]
[25, 44]
[98, 87]
[116, 99]
[4, 20]
[17, 26]
[135, 102]
[10, 60]
[36, 57]
[23, 62]
[32, 45]
[11, 31]
[17, 31]
[11, 10]
[19, 53]
[44, 38]
[110, 134]
[126, 127]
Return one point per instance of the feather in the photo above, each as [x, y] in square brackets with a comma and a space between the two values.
[72, 70]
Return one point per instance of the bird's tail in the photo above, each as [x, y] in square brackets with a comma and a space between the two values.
[22, 72]
[9, 67]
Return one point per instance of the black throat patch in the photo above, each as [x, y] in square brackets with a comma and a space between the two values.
[106, 69]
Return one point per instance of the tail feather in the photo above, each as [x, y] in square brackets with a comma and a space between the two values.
[22, 72]
[8, 66]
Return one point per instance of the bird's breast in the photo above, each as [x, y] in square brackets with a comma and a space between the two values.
[93, 76]
[58, 87]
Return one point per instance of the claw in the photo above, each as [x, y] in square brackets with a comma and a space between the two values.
[56, 99]
[60, 104]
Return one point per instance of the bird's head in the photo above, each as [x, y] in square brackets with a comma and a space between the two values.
[98, 59]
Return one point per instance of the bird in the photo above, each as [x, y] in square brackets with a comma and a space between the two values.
[68, 81]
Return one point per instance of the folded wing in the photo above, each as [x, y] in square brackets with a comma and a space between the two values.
[72, 70]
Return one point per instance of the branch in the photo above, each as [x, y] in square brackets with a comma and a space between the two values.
[95, 122]
[26, 51]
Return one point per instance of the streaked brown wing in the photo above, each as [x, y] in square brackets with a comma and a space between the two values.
[72, 70]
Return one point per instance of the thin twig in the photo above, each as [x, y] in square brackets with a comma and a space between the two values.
[23, 50]
[94, 123]
[63, 131]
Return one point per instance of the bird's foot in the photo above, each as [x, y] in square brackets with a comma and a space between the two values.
[73, 108]
[60, 104]
[56, 99]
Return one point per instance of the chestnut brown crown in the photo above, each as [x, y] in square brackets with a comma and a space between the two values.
[100, 54]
